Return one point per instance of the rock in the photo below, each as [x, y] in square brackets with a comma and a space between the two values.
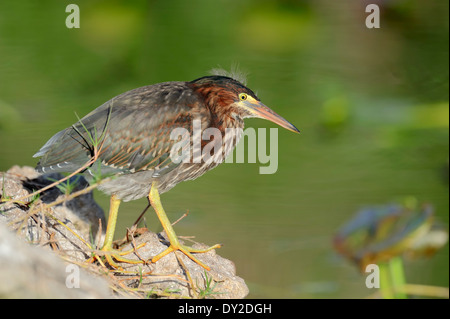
[46, 227]
[168, 274]
[29, 271]
[82, 211]
[81, 214]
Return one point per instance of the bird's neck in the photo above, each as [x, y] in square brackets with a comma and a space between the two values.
[220, 106]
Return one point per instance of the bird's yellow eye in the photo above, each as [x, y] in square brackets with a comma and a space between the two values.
[243, 96]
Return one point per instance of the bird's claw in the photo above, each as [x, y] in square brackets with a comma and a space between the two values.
[187, 251]
[113, 255]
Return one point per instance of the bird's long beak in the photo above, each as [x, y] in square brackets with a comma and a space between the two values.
[264, 112]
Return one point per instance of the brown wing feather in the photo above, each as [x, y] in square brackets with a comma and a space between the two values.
[135, 127]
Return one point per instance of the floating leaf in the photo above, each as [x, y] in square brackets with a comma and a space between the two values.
[378, 234]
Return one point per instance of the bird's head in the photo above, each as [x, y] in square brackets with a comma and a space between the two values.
[228, 97]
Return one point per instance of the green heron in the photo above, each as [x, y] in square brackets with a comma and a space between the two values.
[134, 132]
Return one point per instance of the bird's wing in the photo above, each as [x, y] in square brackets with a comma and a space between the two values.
[132, 132]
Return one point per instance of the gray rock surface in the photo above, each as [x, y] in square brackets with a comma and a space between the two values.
[29, 271]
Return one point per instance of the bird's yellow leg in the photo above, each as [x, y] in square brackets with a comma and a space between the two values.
[107, 249]
[173, 239]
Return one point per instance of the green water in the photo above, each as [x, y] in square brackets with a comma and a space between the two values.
[371, 105]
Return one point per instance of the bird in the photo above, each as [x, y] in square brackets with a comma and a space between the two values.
[130, 137]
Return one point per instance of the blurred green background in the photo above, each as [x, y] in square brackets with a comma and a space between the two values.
[372, 106]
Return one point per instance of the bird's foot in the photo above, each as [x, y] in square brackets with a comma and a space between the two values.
[112, 255]
[174, 246]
